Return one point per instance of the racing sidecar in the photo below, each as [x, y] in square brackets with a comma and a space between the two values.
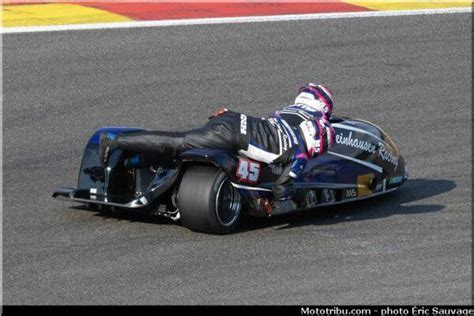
[208, 189]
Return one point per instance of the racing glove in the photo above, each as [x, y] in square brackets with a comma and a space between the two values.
[219, 112]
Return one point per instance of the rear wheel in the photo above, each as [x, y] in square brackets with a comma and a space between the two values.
[207, 201]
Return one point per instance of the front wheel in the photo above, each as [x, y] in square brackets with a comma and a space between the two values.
[207, 201]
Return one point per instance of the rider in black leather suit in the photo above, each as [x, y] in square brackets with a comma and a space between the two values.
[288, 137]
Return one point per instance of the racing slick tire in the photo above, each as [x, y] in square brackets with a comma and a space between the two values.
[207, 201]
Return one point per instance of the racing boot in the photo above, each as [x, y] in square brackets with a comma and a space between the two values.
[282, 206]
[165, 144]
[107, 144]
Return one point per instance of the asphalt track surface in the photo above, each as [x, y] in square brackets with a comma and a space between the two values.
[411, 75]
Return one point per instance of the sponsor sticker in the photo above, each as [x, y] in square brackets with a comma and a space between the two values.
[378, 150]
[248, 171]
[311, 199]
[327, 195]
[290, 131]
[357, 143]
[243, 124]
[363, 183]
[380, 186]
[276, 169]
[387, 156]
[395, 180]
[349, 193]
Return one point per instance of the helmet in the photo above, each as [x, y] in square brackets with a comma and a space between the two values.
[316, 96]
[318, 136]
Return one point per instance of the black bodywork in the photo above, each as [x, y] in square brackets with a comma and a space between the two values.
[364, 162]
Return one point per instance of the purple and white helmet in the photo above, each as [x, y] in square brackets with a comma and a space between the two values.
[316, 96]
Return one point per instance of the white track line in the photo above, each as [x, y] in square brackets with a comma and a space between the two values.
[231, 20]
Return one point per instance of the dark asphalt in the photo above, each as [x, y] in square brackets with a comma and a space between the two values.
[410, 75]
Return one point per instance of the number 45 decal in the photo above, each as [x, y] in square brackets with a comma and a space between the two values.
[248, 171]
